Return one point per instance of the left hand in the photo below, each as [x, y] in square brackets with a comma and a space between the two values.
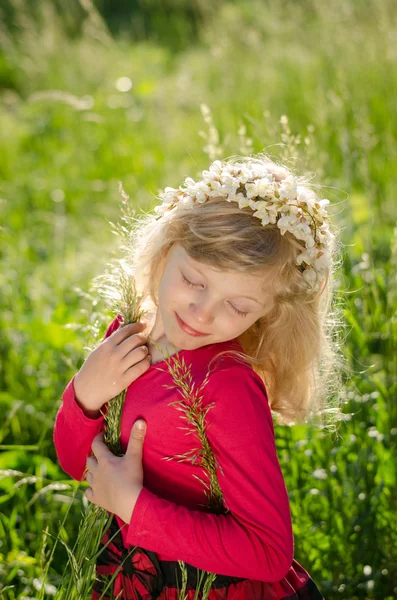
[115, 482]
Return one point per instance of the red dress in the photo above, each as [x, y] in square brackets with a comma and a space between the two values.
[248, 543]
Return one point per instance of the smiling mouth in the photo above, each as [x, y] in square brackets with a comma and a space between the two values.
[188, 329]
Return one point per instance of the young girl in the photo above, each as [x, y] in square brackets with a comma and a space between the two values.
[236, 275]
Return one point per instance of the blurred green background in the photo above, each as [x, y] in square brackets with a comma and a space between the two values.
[148, 92]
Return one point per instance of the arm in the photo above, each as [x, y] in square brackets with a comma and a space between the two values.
[74, 430]
[255, 539]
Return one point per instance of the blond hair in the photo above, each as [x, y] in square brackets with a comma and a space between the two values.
[295, 347]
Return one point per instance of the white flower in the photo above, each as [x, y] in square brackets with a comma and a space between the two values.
[302, 231]
[266, 187]
[309, 275]
[322, 261]
[262, 213]
[187, 201]
[320, 474]
[321, 211]
[290, 209]
[162, 208]
[201, 197]
[243, 174]
[287, 188]
[227, 179]
[322, 233]
[168, 195]
[266, 219]
[201, 192]
[316, 209]
[207, 176]
[303, 257]
[287, 223]
[252, 190]
[272, 210]
[304, 195]
[216, 167]
[231, 187]
[309, 242]
[252, 204]
[49, 589]
[215, 189]
[242, 200]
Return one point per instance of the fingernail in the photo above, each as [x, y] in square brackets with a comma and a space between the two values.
[140, 424]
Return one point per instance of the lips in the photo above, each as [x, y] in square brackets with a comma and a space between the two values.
[188, 329]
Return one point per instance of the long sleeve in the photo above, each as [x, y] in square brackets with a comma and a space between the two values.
[74, 431]
[254, 540]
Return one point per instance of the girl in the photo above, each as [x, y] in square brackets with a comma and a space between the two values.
[236, 272]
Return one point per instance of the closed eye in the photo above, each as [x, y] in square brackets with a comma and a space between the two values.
[193, 285]
[189, 283]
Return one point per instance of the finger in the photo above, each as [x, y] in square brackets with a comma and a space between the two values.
[91, 463]
[89, 478]
[89, 494]
[125, 331]
[135, 355]
[137, 436]
[134, 342]
[99, 448]
[137, 369]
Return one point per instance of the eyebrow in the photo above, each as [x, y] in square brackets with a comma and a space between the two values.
[238, 296]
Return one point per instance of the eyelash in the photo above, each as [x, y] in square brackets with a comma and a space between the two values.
[190, 284]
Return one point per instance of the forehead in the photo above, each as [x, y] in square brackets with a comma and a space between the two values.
[248, 281]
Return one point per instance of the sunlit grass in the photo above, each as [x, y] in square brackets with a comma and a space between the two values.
[71, 128]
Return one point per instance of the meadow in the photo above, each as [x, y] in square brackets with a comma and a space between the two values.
[85, 108]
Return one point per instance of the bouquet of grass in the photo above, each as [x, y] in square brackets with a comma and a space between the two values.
[119, 291]
[80, 570]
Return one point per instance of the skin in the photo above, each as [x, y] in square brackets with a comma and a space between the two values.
[208, 306]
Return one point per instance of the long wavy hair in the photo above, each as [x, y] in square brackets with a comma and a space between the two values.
[296, 347]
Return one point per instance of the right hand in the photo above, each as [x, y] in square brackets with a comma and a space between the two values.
[112, 366]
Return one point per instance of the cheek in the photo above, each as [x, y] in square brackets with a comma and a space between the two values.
[164, 292]
[172, 292]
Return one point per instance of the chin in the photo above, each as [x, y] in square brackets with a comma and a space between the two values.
[186, 342]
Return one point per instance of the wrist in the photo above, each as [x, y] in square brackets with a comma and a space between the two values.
[128, 503]
[90, 412]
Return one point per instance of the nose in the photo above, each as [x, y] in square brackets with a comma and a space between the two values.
[202, 312]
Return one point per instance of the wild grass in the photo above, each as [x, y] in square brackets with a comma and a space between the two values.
[79, 114]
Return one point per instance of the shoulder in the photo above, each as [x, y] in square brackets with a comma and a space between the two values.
[237, 399]
[228, 370]
[237, 379]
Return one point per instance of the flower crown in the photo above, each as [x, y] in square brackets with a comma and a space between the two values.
[275, 200]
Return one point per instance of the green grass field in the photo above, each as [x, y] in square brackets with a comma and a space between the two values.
[82, 111]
